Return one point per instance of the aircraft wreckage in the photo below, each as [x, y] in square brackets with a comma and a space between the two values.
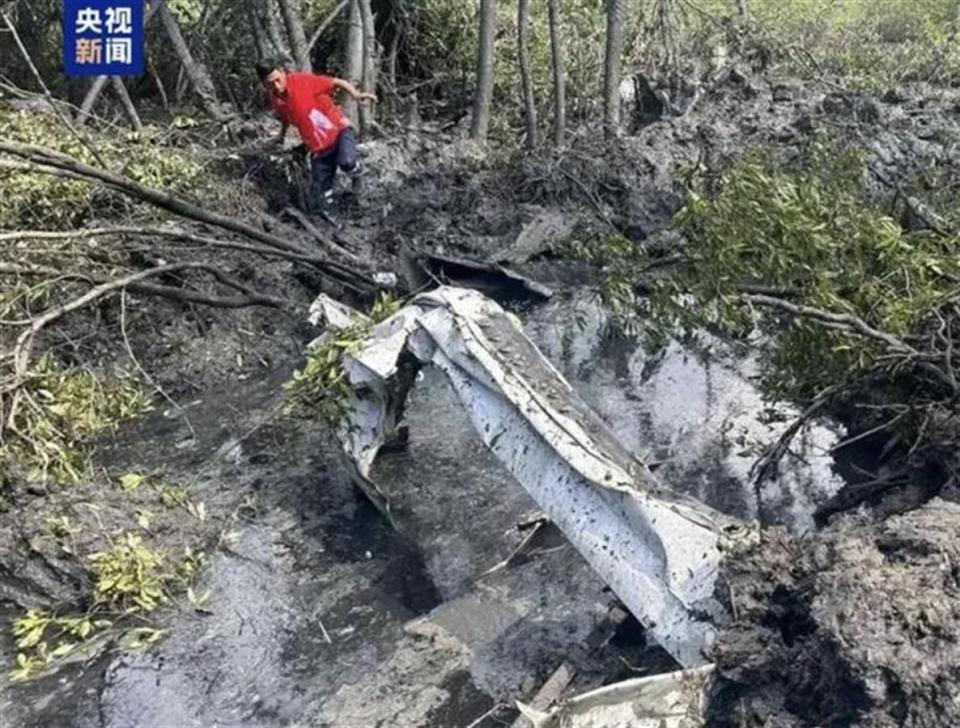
[660, 551]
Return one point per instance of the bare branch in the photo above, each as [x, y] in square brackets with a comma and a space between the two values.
[53, 162]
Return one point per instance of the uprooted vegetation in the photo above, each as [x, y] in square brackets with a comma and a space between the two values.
[850, 308]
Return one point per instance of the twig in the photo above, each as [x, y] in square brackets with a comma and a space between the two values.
[323, 631]
[863, 435]
[146, 231]
[765, 466]
[489, 714]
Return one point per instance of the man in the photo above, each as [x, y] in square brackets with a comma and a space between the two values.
[305, 100]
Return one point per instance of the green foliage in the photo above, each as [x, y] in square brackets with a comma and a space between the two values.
[809, 233]
[873, 44]
[620, 260]
[130, 576]
[320, 390]
[60, 413]
[40, 200]
[42, 637]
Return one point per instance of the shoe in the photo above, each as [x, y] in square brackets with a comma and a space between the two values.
[357, 175]
[325, 210]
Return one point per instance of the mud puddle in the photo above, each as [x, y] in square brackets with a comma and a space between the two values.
[321, 614]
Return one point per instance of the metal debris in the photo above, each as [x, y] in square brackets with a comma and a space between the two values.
[658, 550]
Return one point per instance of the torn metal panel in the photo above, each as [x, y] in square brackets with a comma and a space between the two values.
[659, 551]
[672, 700]
[491, 278]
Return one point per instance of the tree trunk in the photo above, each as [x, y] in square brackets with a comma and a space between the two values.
[611, 70]
[90, 100]
[121, 91]
[665, 26]
[256, 29]
[370, 58]
[526, 75]
[298, 39]
[559, 74]
[195, 70]
[100, 82]
[159, 81]
[394, 94]
[272, 23]
[743, 9]
[485, 61]
[354, 69]
[326, 24]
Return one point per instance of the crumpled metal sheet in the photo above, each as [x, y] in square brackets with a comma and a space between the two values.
[672, 700]
[658, 550]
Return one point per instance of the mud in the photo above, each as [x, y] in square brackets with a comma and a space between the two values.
[321, 614]
[851, 626]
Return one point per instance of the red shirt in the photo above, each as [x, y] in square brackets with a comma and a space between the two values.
[309, 106]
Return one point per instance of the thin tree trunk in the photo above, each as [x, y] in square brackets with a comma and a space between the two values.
[100, 82]
[394, 96]
[526, 75]
[559, 74]
[273, 27]
[121, 91]
[256, 29]
[298, 39]
[159, 81]
[354, 69]
[485, 60]
[90, 100]
[370, 56]
[195, 70]
[326, 24]
[743, 9]
[611, 70]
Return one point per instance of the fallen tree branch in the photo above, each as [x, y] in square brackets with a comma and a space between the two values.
[149, 231]
[53, 162]
[765, 467]
[851, 322]
[133, 281]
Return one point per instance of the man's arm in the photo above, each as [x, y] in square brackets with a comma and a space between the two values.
[360, 96]
[281, 137]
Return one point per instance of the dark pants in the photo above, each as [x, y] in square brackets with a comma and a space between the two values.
[323, 168]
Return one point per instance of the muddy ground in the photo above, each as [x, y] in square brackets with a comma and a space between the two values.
[321, 613]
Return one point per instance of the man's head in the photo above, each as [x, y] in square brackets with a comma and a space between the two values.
[273, 75]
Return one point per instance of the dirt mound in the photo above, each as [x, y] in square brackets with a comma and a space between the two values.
[856, 625]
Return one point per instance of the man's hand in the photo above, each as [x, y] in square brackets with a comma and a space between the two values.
[359, 96]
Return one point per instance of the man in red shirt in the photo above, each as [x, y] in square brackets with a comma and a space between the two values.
[305, 100]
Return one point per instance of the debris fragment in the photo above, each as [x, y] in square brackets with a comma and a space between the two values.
[658, 550]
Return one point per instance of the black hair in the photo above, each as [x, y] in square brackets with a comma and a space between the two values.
[266, 66]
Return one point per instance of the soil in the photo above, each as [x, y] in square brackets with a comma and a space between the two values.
[321, 613]
[853, 625]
